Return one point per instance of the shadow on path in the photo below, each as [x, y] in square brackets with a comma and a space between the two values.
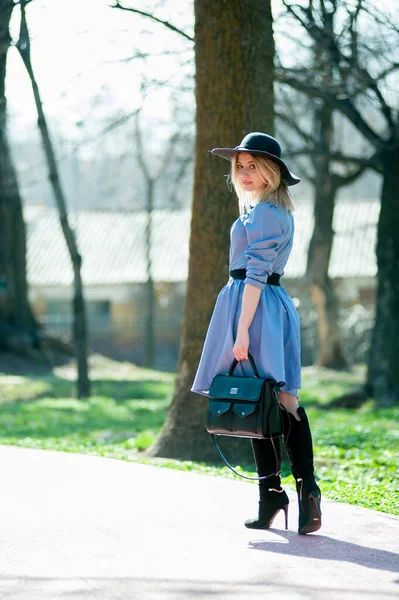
[326, 548]
[135, 588]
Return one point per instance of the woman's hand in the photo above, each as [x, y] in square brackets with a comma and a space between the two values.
[250, 302]
[241, 345]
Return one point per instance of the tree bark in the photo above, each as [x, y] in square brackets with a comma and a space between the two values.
[330, 351]
[18, 328]
[79, 323]
[150, 316]
[383, 363]
[234, 95]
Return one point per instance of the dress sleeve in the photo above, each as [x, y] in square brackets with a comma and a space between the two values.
[264, 234]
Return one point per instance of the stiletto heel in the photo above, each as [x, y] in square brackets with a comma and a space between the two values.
[273, 501]
[285, 508]
[309, 508]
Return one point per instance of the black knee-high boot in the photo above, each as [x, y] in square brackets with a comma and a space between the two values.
[298, 441]
[272, 498]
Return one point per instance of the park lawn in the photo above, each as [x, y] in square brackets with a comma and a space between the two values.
[356, 450]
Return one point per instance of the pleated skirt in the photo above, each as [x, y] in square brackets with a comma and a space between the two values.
[274, 338]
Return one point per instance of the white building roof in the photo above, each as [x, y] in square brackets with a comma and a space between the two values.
[113, 249]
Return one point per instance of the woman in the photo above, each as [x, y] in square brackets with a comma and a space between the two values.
[254, 312]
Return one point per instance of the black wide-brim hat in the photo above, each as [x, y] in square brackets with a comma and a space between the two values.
[264, 145]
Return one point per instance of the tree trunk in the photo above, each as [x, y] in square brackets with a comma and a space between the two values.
[234, 95]
[330, 351]
[350, 96]
[18, 329]
[150, 316]
[79, 324]
[383, 363]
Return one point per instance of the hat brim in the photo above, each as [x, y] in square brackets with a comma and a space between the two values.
[228, 153]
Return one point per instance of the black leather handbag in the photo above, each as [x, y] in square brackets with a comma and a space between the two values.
[243, 407]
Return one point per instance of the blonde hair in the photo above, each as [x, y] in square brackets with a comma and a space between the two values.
[276, 190]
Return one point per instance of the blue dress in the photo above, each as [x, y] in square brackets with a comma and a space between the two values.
[260, 242]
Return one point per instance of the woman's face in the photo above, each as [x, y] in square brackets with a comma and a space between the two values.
[247, 174]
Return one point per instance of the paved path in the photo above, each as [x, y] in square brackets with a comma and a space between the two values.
[78, 527]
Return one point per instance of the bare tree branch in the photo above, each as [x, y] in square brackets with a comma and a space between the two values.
[344, 180]
[345, 105]
[172, 142]
[184, 163]
[373, 85]
[353, 19]
[391, 69]
[380, 18]
[144, 55]
[307, 174]
[150, 16]
[328, 42]
[373, 162]
[139, 147]
[79, 311]
[293, 124]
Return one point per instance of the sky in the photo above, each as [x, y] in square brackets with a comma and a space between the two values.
[80, 51]
[78, 48]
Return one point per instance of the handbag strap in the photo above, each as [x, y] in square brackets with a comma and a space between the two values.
[251, 360]
[240, 474]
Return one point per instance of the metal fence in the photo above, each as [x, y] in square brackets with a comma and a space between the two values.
[124, 340]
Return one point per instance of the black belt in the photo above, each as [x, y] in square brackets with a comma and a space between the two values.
[273, 279]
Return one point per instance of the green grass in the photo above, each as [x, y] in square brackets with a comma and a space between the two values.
[356, 450]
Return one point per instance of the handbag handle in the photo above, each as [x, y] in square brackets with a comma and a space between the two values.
[263, 477]
[251, 360]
